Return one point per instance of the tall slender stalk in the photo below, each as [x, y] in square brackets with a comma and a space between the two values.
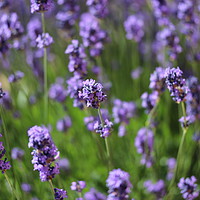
[45, 75]
[52, 188]
[106, 141]
[180, 150]
[11, 186]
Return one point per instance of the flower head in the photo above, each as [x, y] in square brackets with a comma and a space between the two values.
[60, 194]
[188, 188]
[41, 5]
[103, 129]
[44, 40]
[78, 186]
[94, 195]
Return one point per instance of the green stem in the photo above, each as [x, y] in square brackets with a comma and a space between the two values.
[106, 141]
[180, 150]
[52, 188]
[11, 186]
[45, 76]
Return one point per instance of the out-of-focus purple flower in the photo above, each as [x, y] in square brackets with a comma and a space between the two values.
[157, 188]
[16, 76]
[44, 40]
[171, 163]
[188, 188]
[186, 121]
[118, 184]
[26, 187]
[75, 84]
[134, 28]
[123, 111]
[149, 100]
[4, 164]
[176, 84]
[77, 63]
[167, 37]
[157, 80]
[34, 28]
[60, 194]
[44, 153]
[6, 100]
[2, 93]
[92, 93]
[144, 142]
[64, 164]
[41, 5]
[93, 36]
[78, 186]
[93, 194]
[57, 92]
[4, 4]
[91, 120]
[99, 8]
[17, 153]
[135, 74]
[121, 130]
[103, 129]
[64, 124]
[193, 98]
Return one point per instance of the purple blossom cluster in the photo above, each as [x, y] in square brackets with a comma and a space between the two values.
[64, 124]
[118, 184]
[2, 93]
[193, 98]
[60, 194]
[93, 194]
[134, 28]
[78, 186]
[67, 16]
[104, 129]
[144, 142]
[77, 62]
[122, 112]
[188, 188]
[57, 91]
[41, 5]
[157, 188]
[75, 84]
[98, 8]
[44, 153]
[44, 40]
[92, 34]
[171, 164]
[92, 93]
[16, 76]
[176, 84]
[4, 163]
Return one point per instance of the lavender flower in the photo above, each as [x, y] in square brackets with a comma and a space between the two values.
[60, 194]
[2, 93]
[103, 129]
[134, 28]
[193, 98]
[57, 91]
[186, 121]
[135, 74]
[158, 188]
[44, 40]
[92, 93]
[16, 76]
[78, 186]
[41, 5]
[4, 4]
[93, 36]
[44, 153]
[5, 100]
[77, 63]
[188, 188]
[94, 195]
[4, 164]
[98, 7]
[64, 124]
[144, 143]
[26, 187]
[171, 163]
[157, 80]
[64, 164]
[176, 84]
[17, 153]
[118, 184]
[149, 100]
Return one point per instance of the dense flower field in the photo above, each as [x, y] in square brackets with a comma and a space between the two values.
[99, 99]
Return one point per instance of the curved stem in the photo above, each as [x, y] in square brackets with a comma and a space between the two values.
[11, 186]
